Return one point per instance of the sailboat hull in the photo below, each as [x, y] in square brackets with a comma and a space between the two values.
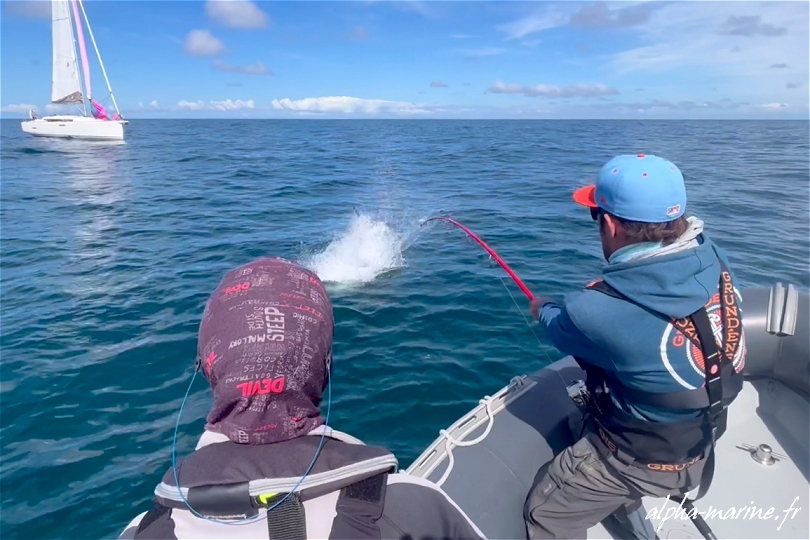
[76, 127]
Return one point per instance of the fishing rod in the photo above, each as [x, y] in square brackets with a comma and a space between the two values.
[489, 250]
[687, 504]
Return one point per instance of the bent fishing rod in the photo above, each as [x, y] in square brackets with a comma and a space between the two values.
[687, 504]
[489, 250]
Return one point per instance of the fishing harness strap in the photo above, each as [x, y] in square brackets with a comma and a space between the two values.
[357, 511]
[286, 521]
[359, 507]
[225, 483]
[722, 383]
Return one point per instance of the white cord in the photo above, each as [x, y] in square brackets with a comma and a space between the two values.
[450, 462]
[450, 442]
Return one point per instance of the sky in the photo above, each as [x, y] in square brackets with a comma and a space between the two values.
[397, 59]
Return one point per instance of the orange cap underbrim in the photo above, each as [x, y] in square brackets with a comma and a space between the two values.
[586, 196]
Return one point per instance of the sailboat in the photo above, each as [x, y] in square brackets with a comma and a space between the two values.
[94, 123]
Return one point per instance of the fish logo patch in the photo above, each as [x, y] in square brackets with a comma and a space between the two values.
[674, 346]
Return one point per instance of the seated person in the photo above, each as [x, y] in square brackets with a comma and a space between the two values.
[267, 465]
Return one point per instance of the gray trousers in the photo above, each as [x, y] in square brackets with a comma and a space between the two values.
[581, 488]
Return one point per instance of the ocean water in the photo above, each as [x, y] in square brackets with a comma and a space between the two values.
[109, 253]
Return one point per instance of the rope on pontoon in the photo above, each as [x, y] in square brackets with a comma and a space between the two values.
[451, 442]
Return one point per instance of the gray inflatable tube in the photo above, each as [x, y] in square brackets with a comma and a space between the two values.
[487, 460]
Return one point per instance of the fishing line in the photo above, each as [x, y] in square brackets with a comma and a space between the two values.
[287, 496]
[508, 270]
[489, 250]
[514, 301]
[525, 319]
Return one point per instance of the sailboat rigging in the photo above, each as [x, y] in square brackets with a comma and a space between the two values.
[67, 87]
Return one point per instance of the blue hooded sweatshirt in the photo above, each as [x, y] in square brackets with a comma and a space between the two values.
[633, 342]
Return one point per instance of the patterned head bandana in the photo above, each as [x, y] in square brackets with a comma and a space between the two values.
[265, 346]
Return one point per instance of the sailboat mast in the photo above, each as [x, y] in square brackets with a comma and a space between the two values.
[83, 90]
[98, 54]
[83, 49]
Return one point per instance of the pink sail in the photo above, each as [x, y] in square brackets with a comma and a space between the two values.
[83, 48]
[99, 111]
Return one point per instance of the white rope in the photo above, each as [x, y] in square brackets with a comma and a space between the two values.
[451, 442]
[450, 462]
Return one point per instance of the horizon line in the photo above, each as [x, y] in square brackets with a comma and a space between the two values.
[641, 119]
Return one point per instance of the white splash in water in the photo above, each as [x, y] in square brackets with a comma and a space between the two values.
[367, 249]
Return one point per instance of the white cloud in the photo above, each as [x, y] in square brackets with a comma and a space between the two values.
[237, 13]
[774, 106]
[753, 58]
[594, 15]
[741, 43]
[437, 84]
[203, 43]
[678, 35]
[428, 10]
[213, 105]
[348, 105]
[647, 57]
[191, 105]
[622, 16]
[253, 69]
[474, 54]
[518, 29]
[18, 108]
[553, 91]
[750, 25]
[232, 105]
[154, 104]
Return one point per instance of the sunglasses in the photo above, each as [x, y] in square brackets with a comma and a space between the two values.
[595, 213]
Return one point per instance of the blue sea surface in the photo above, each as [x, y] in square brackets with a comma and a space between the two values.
[109, 253]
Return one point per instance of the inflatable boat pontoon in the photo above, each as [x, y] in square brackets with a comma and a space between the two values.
[487, 460]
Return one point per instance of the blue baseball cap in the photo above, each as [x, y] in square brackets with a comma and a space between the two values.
[639, 188]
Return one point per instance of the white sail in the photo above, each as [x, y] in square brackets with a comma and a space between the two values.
[66, 85]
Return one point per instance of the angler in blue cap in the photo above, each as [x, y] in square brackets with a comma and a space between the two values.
[660, 338]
